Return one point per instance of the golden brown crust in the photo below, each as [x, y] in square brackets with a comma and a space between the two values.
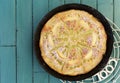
[73, 42]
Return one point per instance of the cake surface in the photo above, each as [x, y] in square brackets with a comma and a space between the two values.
[72, 42]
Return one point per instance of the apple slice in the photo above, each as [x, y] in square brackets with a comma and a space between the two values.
[61, 54]
[50, 40]
[88, 55]
[94, 38]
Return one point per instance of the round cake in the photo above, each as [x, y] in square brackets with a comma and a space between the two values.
[72, 42]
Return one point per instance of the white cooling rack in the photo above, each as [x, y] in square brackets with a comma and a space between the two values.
[112, 69]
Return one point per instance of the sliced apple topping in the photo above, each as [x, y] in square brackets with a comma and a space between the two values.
[88, 55]
[94, 38]
[50, 39]
[61, 54]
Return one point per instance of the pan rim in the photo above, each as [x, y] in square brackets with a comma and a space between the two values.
[96, 14]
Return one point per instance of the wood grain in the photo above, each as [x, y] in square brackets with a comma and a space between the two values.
[72, 1]
[7, 65]
[26, 68]
[54, 80]
[92, 3]
[106, 8]
[117, 12]
[39, 10]
[41, 78]
[55, 3]
[24, 41]
[7, 22]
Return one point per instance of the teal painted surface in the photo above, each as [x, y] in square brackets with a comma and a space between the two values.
[40, 8]
[41, 78]
[55, 3]
[106, 8]
[54, 80]
[72, 1]
[24, 41]
[117, 12]
[18, 21]
[7, 65]
[7, 22]
[92, 3]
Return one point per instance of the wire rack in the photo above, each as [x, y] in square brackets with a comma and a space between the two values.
[111, 71]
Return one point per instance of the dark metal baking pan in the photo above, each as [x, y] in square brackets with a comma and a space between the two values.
[96, 14]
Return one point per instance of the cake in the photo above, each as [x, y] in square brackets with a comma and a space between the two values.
[72, 42]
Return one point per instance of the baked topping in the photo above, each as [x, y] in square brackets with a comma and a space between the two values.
[73, 42]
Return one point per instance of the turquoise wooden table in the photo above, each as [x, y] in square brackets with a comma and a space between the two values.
[18, 21]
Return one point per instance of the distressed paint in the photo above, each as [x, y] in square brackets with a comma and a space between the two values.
[7, 65]
[7, 22]
[72, 1]
[92, 3]
[24, 41]
[29, 13]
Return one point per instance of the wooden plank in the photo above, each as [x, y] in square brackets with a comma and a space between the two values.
[0, 64]
[37, 16]
[40, 78]
[7, 22]
[91, 3]
[7, 65]
[55, 3]
[0, 67]
[24, 41]
[72, 1]
[40, 8]
[117, 12]
[106, 8]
